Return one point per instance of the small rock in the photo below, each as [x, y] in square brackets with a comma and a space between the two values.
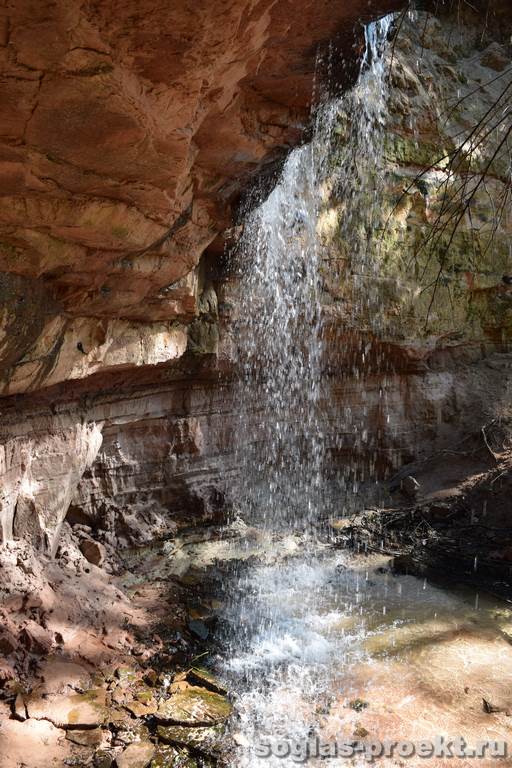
[493, 708]
[7, 672]
[103, 759]
[241, 740]
[93, 551]
[8, 642]
[120, 696]
[203, 677]
[125, 674]
[36, 639]
[132, 731]
[495, 58]
[342, 523]
[166, 756]
[13, 603]
[358, 704]
[151, 677]
[118, 718]
[33, 600]
[136, 755]
[143, 694]
[194, 706]
[199, 629]
[138, 709]
[410, 487]
[89, 738]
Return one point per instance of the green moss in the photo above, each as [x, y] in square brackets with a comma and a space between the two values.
[406, 150]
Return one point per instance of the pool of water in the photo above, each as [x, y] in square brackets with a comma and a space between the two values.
[319, 642]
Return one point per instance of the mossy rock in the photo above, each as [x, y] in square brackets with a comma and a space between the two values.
[194, 706]
[407, 150]
[203, 337]
[203, 677]
[207, 741]
[126, 674]
[172, 757]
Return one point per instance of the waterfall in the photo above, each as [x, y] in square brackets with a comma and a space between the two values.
[280, 639]
[280, 347]
[279, 320]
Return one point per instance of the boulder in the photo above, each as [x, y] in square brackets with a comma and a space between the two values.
[32, 744]
[60, 676]
[36, 639]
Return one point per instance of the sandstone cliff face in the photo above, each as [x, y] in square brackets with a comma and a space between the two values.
[130, 464]
[39, 478]
[431, 284]
[417, 339]
[128, 130]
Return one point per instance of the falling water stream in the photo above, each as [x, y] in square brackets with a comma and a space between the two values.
[311, 634]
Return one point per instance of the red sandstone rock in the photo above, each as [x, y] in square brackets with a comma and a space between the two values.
[118, 120]
[93, 551]
[36, 639]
